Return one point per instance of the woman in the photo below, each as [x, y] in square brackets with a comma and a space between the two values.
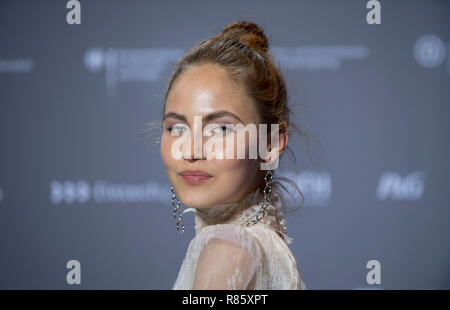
[240, 240]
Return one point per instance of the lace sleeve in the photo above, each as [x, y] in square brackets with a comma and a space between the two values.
[228, 260]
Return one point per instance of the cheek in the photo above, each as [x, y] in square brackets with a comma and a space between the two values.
[234, 171]
[167, 159]
[236, 145]
[232, 163]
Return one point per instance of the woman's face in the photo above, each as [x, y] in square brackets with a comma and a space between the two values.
[201, 91]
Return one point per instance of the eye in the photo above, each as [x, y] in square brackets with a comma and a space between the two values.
[177, 129]
[222, 128]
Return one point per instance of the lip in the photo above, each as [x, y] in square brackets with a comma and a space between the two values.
[195, 172]
[195, 176]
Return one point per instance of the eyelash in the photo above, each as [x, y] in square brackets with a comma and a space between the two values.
[169, 129]
[222, 126]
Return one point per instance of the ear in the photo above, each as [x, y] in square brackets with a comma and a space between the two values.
[283, 138]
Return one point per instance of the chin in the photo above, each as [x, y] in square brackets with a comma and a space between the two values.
[197, 204]
[196, 198]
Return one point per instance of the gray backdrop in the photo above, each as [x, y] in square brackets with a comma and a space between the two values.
[81, 180]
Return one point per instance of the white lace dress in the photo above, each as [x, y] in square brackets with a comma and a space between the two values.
[225, 254]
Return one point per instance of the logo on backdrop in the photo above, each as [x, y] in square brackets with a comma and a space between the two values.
[392, 185]
[130, 65]
[314, 185]
[430, 51]
[149, 64]
[314, 58]
[101, 191]
[16, 65]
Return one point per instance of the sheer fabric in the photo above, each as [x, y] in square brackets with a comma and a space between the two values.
[225, 254]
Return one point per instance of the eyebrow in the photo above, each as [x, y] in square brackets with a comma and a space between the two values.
[206, 118]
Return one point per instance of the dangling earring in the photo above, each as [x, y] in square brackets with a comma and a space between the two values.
[267, 195]
[176, 209]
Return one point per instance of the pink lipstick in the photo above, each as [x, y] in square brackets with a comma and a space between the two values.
[195, 176]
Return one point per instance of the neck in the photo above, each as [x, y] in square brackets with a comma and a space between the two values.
[241, 212]
[225, 212]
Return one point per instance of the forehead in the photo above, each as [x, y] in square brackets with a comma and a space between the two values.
[206, 88]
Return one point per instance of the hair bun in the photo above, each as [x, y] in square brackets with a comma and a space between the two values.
[249, 34]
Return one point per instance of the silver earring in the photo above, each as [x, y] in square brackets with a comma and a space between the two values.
[177, 214]
[267, 194]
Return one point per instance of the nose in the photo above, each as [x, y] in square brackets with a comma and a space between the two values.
[196, 148]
